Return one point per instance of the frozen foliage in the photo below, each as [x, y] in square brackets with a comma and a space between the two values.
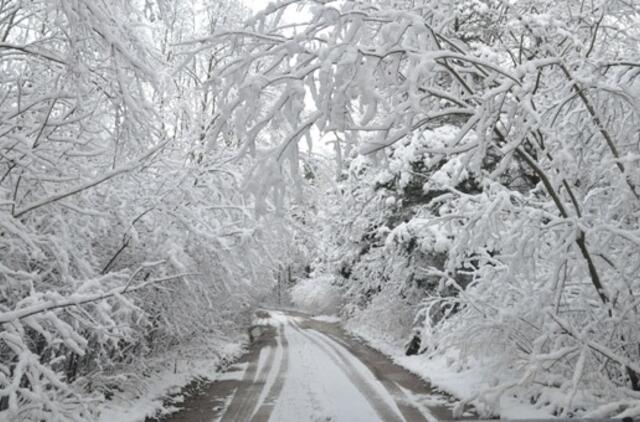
[500, 203]
[149, 159]
[120, 239]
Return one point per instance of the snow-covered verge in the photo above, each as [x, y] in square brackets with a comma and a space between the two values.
[465, 382]
[386, 326]
[166, 377]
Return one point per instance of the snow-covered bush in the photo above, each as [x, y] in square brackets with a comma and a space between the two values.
[317, 295]
[387, 317]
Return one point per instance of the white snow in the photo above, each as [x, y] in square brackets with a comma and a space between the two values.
[463, 383]
[363, 373]
[332, 395]
[271, 375]
[419, 402]
[235, 373]
[262, 361]
[327, 318]
[165, 381]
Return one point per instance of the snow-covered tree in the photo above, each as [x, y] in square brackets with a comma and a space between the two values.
[531, 193]
[119, 239]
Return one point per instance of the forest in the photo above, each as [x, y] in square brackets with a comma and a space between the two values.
[455, 179]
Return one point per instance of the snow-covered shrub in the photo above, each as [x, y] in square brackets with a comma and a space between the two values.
[317, 295]
[387, 318]
[511, 129]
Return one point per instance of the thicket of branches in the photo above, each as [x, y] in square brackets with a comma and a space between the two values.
[509, 131]
[120, 236]
[498, 205]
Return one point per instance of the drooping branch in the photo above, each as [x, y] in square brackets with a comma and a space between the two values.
[77, 300]
[129, 167]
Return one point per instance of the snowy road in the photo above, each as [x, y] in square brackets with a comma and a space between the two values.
[301, 369]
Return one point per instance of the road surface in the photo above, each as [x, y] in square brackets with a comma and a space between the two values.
[300, 369]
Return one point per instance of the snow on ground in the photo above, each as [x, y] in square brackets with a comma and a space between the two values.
[168, 378]
[333, 394]
[233, 374]
[277, 357]
[303, 370]
[384, 332]
[327, 318]
[463, 383]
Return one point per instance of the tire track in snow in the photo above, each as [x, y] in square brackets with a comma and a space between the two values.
[408, 405]
[300, 370]
[414, 405]
[237, 409]
[264, 365]
[256, 379]
[386, 412]
[272, 390]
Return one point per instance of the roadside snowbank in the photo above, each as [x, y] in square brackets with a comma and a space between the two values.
[385, 324]
[167, 377]
[462, 382]
[327, 318]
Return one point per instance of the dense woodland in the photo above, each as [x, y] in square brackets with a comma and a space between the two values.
[162, 162]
